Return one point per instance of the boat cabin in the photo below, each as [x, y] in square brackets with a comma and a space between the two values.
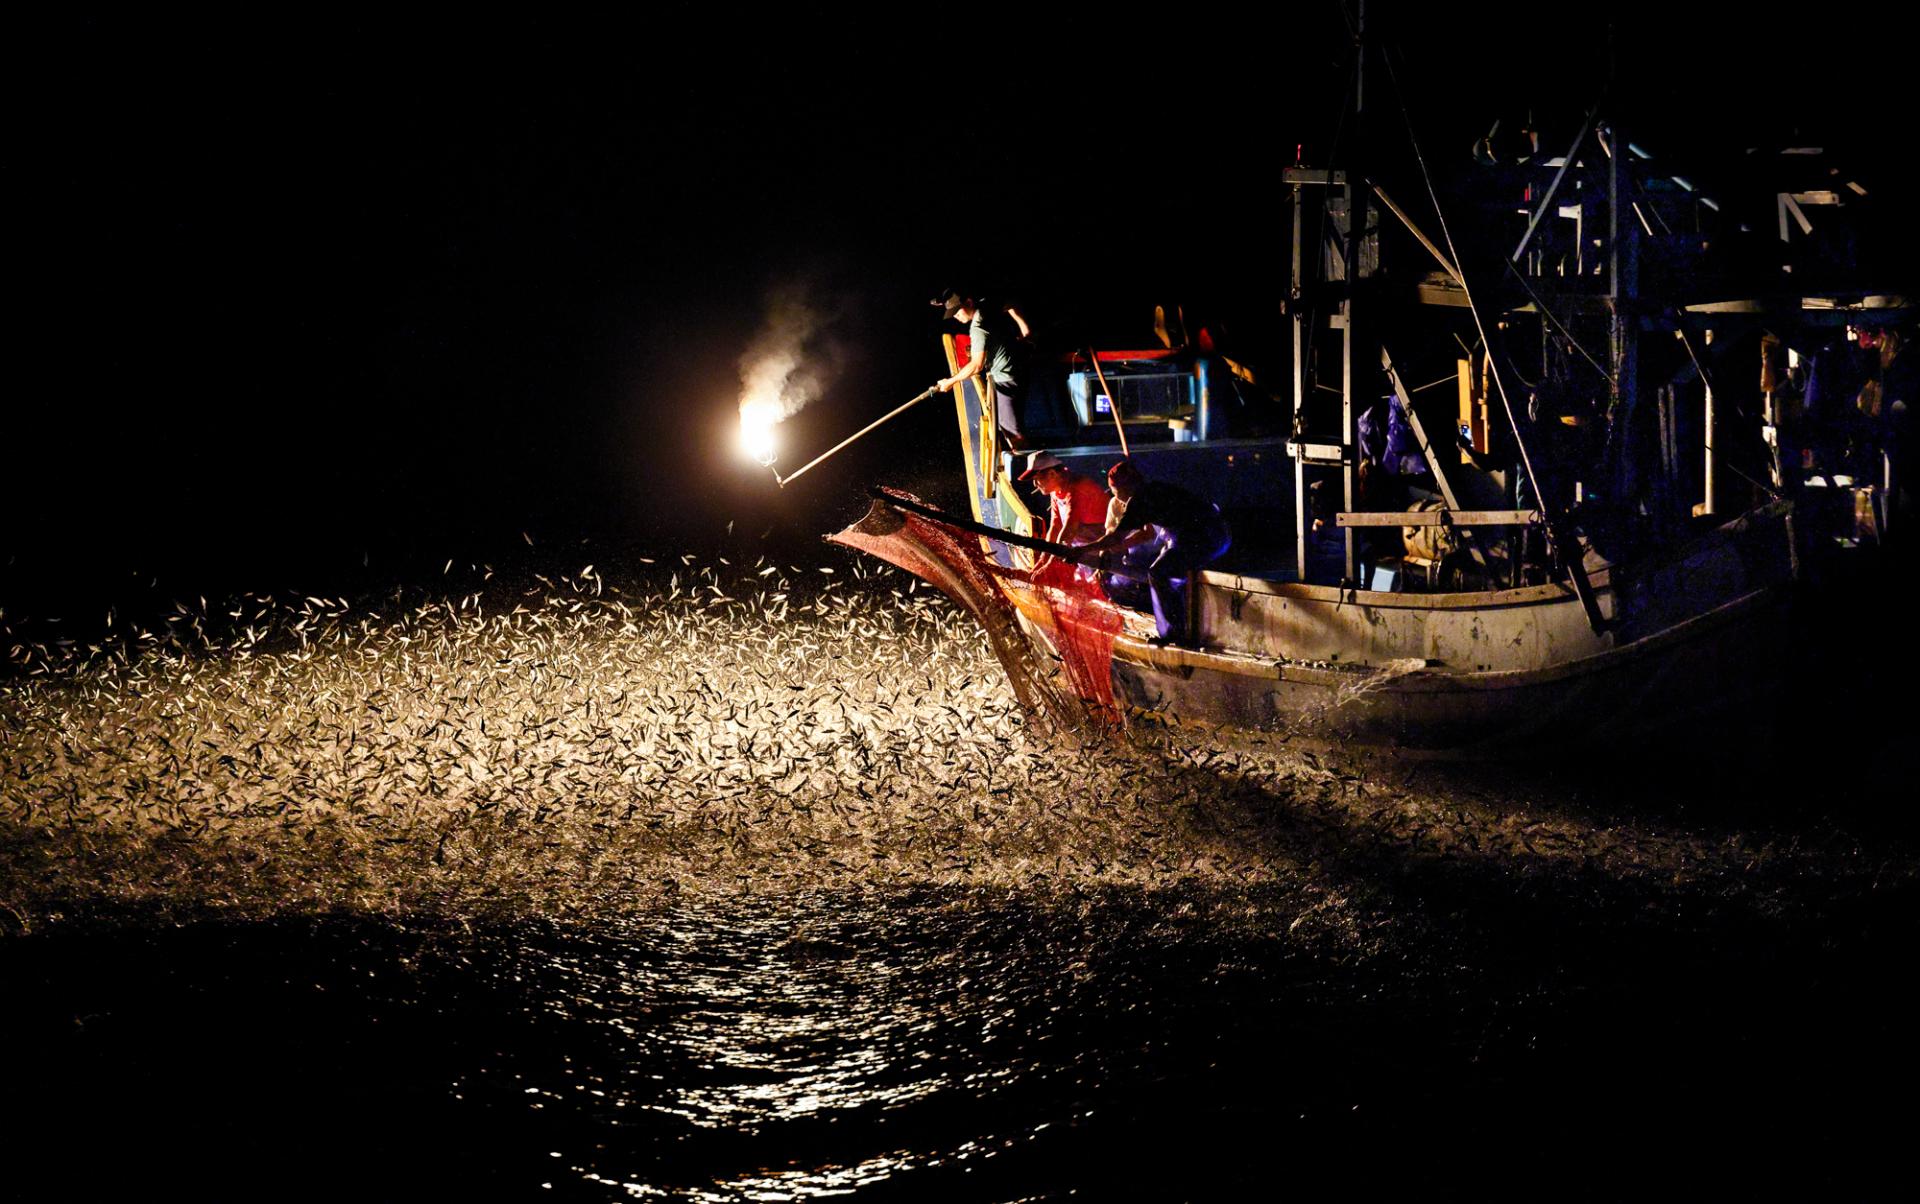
[1562, 431]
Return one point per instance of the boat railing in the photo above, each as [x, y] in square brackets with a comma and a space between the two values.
[1437, 518]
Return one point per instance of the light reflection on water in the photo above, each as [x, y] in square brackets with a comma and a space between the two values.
[766, 1014]
[787, 1029]
[808, 1045]
[910, 1045]
[446, 900]
[817, 1184]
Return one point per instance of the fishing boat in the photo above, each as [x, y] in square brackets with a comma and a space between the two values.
[1647, 408]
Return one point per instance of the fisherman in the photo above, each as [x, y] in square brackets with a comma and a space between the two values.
[1079, 503]
[996, 337]
[1193, 534]
[1885, 407]
[1078, 506]
[1126, 581]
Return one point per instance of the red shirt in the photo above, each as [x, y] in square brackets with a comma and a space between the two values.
[1081, 514]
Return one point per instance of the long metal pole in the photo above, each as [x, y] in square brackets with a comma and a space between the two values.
[1113, 402]
[1710, 485]
[894, 413]
[1713, 456]
[1414, 230]
[1014, 539]
[1058, 551]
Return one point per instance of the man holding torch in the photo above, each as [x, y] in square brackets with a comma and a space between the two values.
[994, 337]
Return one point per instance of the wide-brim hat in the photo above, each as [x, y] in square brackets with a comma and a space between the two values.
[950, 303]
[1040, 462]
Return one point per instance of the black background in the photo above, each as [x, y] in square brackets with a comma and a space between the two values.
[299, 298]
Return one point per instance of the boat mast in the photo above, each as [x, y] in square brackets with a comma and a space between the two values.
[1623, 268]
[1349, 434]
[1295, 308]
[1335, 262]
[1563, 544]
[1354, 229]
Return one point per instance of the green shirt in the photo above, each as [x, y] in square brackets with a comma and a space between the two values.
[994, 336]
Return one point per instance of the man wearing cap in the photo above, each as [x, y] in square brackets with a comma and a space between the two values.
[993, 336]
[1194, 536]
[1079, 503]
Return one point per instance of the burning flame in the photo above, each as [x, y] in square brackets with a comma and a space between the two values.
[788, 363]
[757, 419]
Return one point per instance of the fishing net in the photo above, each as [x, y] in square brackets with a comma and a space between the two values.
[1069, 685]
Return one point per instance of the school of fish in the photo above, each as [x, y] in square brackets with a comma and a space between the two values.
[577, 745]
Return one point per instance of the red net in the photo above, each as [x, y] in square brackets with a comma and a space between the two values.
[1065, 676]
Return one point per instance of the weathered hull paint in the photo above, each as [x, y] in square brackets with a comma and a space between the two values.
[1695, 672]
[1500, 673]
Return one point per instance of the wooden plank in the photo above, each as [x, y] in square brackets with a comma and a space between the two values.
[1428, 293]
[1318, 453]
[1437, 518]
[1292, 591]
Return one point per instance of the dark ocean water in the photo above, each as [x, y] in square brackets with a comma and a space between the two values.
[750, 881]
[969, 1045]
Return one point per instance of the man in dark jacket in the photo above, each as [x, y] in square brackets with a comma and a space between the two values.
[1194, 536]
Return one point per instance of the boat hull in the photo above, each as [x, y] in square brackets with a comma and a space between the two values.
[1696, 638]
[1705, 671]
[1696, 635]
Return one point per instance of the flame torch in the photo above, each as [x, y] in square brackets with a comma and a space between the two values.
[757, 421]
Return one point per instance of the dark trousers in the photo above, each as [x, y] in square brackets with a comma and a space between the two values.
[1170, 578]
[1006, 409]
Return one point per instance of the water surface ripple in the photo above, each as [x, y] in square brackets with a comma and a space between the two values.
[749, 882]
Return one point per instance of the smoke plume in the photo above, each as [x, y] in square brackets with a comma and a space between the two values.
[793, 358]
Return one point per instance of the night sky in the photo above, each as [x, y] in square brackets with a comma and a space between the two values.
[295, 299]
